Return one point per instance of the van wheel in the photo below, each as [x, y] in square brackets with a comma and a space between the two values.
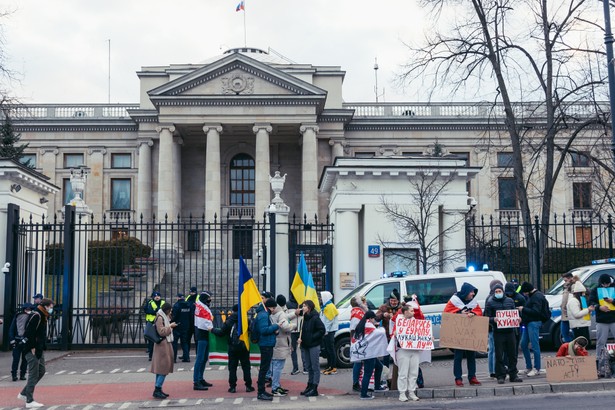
[342, 352]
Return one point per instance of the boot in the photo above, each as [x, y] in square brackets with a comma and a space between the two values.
[158, 393]
[308, 388]
[313, 392]
[163, 393]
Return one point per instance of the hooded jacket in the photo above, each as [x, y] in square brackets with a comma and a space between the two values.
[331, 325]
[459, 304]
[282, 340]
[266, 328]
[567, 349]
[313, 330]
[493, 305]
[535, 306]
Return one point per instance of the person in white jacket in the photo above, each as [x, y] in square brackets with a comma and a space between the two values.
[280, 316]
[578, 316]
[408, 366]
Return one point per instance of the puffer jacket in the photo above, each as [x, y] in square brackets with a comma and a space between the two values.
[575, 314]
[282, 341]
[492, 306]
[313, 330]
[266, 328]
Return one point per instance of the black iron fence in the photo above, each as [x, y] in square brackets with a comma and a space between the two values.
[571, 240]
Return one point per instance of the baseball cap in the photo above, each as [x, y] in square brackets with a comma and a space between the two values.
[38, 296]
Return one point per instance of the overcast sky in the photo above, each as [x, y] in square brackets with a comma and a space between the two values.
[60, 48]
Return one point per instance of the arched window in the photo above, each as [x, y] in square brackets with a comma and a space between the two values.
[242, 180]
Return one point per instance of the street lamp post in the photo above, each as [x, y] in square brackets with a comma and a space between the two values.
[608, 42]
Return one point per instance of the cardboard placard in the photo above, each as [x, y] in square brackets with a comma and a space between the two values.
[414, 334]
[459, 331]
[505, 319]
[610, 346]
[571, 369]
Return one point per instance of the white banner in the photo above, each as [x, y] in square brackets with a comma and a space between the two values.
[414, 334]
[372, 344]
[505, 319]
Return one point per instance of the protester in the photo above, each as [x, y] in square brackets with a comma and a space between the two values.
[35, 345]
[36, 299]
[293, 306]
[575, 348]
[490, 342]
[310, 338]
[203, 323]
[504, 340]
[356, 314]
[564, 323]
[413, 302]
[162, 358]
[191, 299]
[17, 342]
[237, 352]
[533, 314]
[329, 318]
[510, 291]
[282, 345]
[579, 317]
[605, 318]
[367, 344]
[267, 331]
[464, 302]
[182, 316]
[408, 361]
[151, 308]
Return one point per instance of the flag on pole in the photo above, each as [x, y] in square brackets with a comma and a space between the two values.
[303, 285]
[248, 296]
[241, 6]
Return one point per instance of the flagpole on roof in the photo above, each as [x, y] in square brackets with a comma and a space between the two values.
[245, 36]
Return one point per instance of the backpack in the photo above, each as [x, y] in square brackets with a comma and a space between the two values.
[21, 324]
[254, 331]
[545, 314]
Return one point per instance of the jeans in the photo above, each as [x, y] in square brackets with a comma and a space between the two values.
[470, 359]
[160, 380]
[311, 358]
[36, 371]
[530, 335]
[236, 356]
[202, 356]
[505, 354]
[368, 368]
[329, 342]
[184, 341]
[266, 356]
[565, 329]
[293, 350]
[19, 354]
[602, 335]
[356, 370]
[491, 354]
[277, 365]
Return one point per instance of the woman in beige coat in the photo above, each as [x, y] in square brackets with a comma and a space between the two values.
[162, 359]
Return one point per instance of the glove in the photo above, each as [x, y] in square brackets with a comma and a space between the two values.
[38, 353]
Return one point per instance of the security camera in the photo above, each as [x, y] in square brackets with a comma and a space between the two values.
[472, 201]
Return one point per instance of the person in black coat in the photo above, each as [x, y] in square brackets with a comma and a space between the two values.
[182, 315]
[20, 323]
[312, 334]
[510, 290]
[237, 352]
[533, 314]
[504, 339]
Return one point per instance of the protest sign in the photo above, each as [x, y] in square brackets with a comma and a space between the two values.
[571, 369]
[610, 346]
[459, 331]
[606, 293]
[505, 319]
[414, 334]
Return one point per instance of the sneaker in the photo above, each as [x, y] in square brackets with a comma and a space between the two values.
[356, 387]
[232, 389]
[413, 396]
[21, 397]
[326, 371]
[294, 372]
[263, 396]
[402, 397]
[206, 384]
[279, 392]
[14, 378]
[382, 388]
[333, 370]
[474, 381]
[458, 382]
[249, 389]
[533, 373]
[284, 390]
[305, 372]
[368, 397]
[526, 371]
[500, 381]
[22, 377]
[34, 405]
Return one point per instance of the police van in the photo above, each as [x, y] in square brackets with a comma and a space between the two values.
[433, 291]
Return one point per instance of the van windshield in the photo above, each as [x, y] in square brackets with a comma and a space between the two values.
[344, 303]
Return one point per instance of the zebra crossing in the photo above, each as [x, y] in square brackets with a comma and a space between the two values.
[119, 370]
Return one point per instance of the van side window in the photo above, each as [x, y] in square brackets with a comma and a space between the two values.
[432, 291]
[379, 294]
[592, 282]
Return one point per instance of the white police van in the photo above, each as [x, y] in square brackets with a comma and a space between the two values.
[433, 293]
[589, 275]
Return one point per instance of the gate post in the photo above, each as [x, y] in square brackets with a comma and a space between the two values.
[68, 275]
[537, 255]
[610, 228]
[10, 282]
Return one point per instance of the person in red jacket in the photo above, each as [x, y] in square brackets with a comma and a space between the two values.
[464, 302]
[574, 348]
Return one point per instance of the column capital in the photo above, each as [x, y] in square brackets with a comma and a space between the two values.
[49, 150]
[169, 127]
[212, 127]
[266, 127]
[334, 141]
[92, 150]
[148, 142]
[306, 127]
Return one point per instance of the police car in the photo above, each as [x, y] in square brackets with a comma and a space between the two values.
[433, 291]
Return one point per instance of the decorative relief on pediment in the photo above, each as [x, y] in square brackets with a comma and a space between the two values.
[237, 84]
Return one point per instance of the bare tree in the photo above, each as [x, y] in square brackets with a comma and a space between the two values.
[544, 54]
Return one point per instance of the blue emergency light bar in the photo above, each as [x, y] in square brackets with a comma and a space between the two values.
[601, 261]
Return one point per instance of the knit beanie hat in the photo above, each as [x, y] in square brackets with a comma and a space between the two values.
[526, 287]
[270, 303]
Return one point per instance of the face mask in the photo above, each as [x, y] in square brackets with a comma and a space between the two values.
[50, 310]
[498, 295]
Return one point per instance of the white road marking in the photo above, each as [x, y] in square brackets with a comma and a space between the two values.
[222, 367]
[98, 372]
[88, 407]
[276, 399]
[312, 399]
[72, 372]
[141, 370]
[219, 400]
[51, 408]
[126, 371]
[293, 397]
[208, 368]
[238, 400]
[182, 400]
[198, 402]
[88, 371]
[124, 406]
[114, 371]
[61, 371]
[163, 403]
[107, 405]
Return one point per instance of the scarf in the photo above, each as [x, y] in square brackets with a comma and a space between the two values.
[460, 304]
[203, 319]
[330, 310]
[166, 323]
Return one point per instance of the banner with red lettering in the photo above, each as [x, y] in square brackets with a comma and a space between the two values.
[414, 334]
[505, 319]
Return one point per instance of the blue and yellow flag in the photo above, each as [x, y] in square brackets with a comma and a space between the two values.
[303, 285]
[248, 296]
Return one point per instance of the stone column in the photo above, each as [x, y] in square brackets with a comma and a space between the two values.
[337, 149]
[48, 167]
[144, 181]
[166, 179]
[94, 188]
[346, 255]
[309, 171]
[262, 162]
[212, 172]
[177, 173]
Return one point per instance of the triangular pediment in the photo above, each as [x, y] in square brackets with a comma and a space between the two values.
[237, 75]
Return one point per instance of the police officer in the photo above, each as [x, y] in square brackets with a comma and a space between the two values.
[191, 299]
[182, 316]
[151, 308]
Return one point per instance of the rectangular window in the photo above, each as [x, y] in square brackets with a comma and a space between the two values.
[431, 291]
[583, 236]
[120, 161]
[507, 193]
[380, 294]
[29, 160]
[509, 236]
[120, 194]
[242, 241]
[73, 160]
[505, 159]
[401, 260]
[67, 190]
[582, 195]
[579, 159]
[194, 241]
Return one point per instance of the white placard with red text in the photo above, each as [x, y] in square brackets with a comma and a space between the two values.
[505, 319]
[414, 334]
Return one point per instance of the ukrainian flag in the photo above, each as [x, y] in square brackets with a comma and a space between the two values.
[303, 285]
[248, 296]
